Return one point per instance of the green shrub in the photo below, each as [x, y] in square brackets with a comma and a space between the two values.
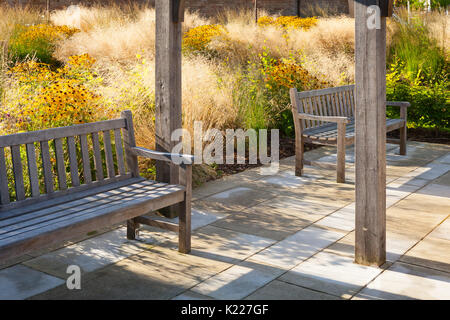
[419, 74]
[263, 92]
[419, 52]
[429, 98]
[37, 41]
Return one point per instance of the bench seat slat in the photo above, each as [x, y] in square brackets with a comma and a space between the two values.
[330, 132]
[93, 204]
[32, 217]
[6, 211]
[64, 230]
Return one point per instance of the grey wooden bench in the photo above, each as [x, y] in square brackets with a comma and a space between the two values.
[326, 117]
[45, 205]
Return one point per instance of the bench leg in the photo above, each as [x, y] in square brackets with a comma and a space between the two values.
[132, 229]
[184, 236]
[403, 131]
[340, 165]
[299, 154]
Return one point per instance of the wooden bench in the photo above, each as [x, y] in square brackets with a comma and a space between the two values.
[326, 117]
[78, 179]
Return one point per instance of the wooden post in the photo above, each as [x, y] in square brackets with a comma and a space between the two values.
[370, 246]
[169, 15]
[255, 9]
[129, 142]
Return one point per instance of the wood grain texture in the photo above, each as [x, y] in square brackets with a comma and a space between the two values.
[73, 161]
[4, 190]
[370, 246]
[168, 86]
[63, 132]
[119, 151]
[97, 157]
[87, 175]
[32, 170]
[60, 164]
[42, 220]
[129, 142]
[18, 173]
[108, 154]
[47, 167]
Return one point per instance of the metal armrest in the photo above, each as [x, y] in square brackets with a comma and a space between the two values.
[163, 156]
[306, 116]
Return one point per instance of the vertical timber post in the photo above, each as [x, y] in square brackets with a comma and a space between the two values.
[370, 246]
[169, 18]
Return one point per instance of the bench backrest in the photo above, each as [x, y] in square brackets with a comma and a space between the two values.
[338, 101]
[39, 165]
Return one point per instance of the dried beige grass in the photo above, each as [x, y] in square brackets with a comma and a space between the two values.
[108, 39]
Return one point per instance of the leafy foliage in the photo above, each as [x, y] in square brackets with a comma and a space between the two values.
[37, 41]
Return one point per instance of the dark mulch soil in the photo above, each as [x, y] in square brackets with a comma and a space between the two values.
[425, 135]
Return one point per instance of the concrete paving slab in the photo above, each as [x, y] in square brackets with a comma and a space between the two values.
[199, 218]
[287, 179]
[264, 221]
[343, 219]
[444, 159]
[442, 231]
[437, 190]
[298, 247]
[234, 200]
[279, 290]
[89, 255]
[403, 281]
[416, 224]
[443, 180]
[406, 181]
[190, 295]
[431, 171]
[159, 273]
[20, 282]
[396, 246]
[332, 158]
[332, 274]
[294, 205]
[225, 245]
[425, 203]
[238, 281]
[431, 253]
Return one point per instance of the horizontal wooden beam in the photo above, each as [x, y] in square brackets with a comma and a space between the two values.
[157, 223]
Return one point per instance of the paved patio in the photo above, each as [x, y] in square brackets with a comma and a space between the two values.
[267, 237]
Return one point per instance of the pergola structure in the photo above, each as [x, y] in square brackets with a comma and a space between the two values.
[370, 146]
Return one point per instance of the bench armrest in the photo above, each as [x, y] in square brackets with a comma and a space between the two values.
[163, 156]
[404, 104]
[306, 116]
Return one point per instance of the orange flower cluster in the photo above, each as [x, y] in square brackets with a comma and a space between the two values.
[291, 75]
[43, 31]
[197, 39]
[288, 22]
[52, 98]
